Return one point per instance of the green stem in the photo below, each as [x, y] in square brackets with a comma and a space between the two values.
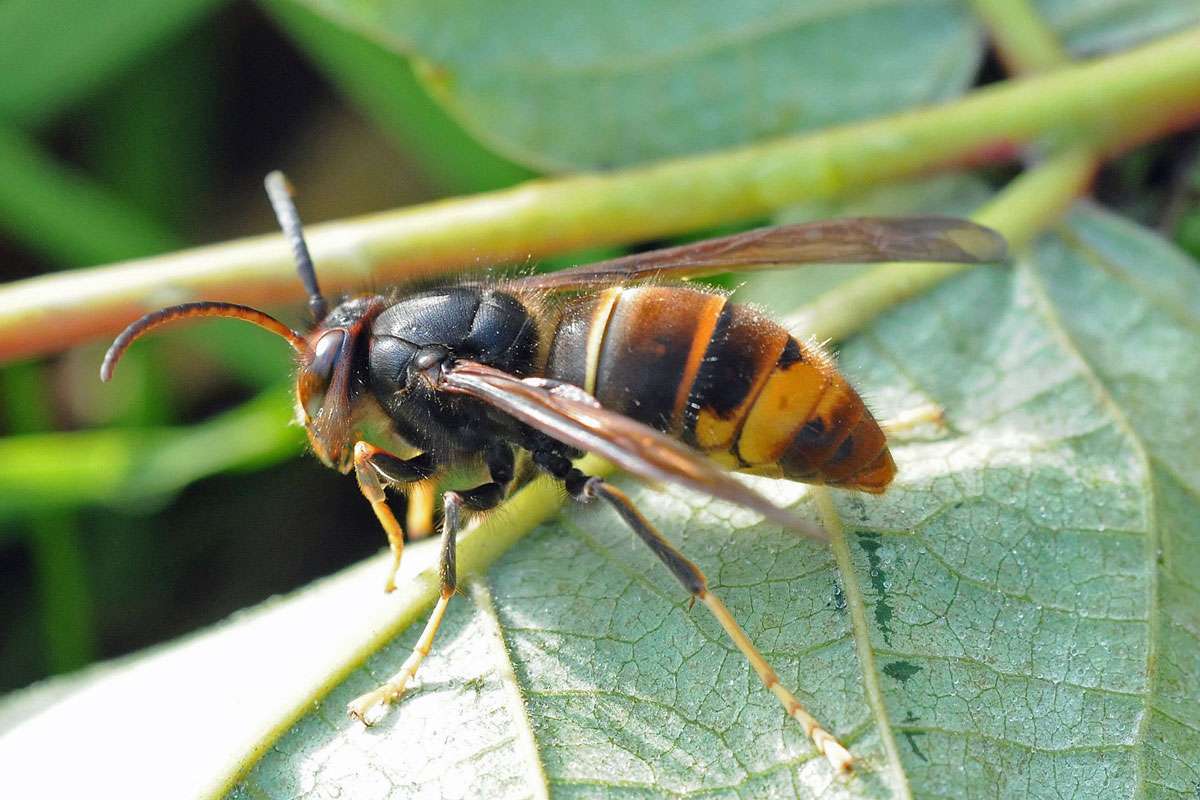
[1025, 207]
[1025, 43]
[59, 565]
[1109, 103]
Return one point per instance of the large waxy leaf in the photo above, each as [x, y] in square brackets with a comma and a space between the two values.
[610, 83]
[598, 85]
[381, 81]
[1018, 617]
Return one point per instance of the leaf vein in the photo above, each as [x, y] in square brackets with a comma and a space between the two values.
[526, 739]
[1044, 305]
[858, 621]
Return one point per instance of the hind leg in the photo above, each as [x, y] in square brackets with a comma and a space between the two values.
[583, 487]
[693, 581]
[906, 421]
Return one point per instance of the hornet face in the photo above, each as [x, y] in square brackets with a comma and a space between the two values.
[332, 378]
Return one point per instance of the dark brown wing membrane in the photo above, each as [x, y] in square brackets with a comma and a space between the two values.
[844, 241]
[570, 415]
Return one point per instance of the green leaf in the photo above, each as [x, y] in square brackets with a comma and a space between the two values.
[562, 85]
[1088, 27]
[1017, 617]
[382, 82]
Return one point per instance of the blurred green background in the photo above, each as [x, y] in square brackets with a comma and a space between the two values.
[149, 138]
[176, 495]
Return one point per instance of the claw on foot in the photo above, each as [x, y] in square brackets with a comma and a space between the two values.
[372, 707]
[835, 753]
[390, 585]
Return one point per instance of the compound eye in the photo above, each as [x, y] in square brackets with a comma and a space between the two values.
[314, 381]
[325, 355]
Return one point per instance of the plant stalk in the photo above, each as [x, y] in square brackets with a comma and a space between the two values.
[1110, 104]
[1026, 44]
[1023, 209]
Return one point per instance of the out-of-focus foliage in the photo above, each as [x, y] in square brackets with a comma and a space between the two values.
[134, 512]
[57, 51]
[619, 84]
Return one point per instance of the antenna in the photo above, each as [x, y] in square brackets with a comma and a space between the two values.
[280, 192]
[203, 309]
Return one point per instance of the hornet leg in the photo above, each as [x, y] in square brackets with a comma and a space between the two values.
[370, 707]
[375, 468]
[582, 487]
[419, 519]
[906, 421]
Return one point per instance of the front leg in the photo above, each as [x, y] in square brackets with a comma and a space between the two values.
[370, 707]
[376, 468]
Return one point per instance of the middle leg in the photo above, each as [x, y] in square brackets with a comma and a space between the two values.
[419, 517]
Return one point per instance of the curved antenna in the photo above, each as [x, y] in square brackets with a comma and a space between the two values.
[205, 309]
[279, 190]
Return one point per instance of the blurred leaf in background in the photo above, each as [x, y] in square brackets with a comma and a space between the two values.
[131, 129]
[135, 512]
[620, 83]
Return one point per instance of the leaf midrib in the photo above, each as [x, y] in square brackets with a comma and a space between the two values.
[862, 640]
[514, 700]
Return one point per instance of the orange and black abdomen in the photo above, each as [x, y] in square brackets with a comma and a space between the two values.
[723, 378]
